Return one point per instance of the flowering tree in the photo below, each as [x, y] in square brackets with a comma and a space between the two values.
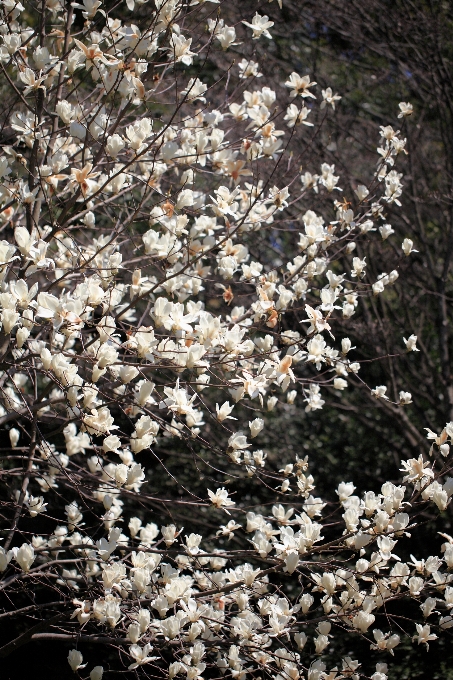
[147, 315]
[376, 57]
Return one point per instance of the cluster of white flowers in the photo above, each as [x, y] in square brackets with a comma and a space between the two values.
[127, 237]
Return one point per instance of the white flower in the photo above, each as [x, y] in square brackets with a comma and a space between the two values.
[256, 426]
[65, 111]
[5, 558]
[238, 441]
[411, 343]
[9, 318]
[361, 192]
[226, 36]
[386, 230]
[416, 468]
[379, 392]
[329, 98]
[25, 556]
[140, 654]
[36, 505]
[363, 620]
[194, 90]
[169, 534]
[424, 635]
[192, 543]
[406, 109]
[128, 373]
[408, 247]
[33, 83]
[111, 443]
[291, 561]
[299, 85]
[138, 132]
[115, 144]
[220, 498]
[249, 69]
[294, 116]
[259, 26]
[345, 489]
[185, 198]
[428, 606]
[100, 421]
[181, 49]
[358, 267]
[75, 659]
[14, 436]
[223, 412]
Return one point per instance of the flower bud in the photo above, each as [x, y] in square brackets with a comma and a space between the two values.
[22, 336]
[9, 318]
[46, 358]
[107, 501]
[14, 437]
[25, 556]
[134, 526]
[271, 403]
[256, 426]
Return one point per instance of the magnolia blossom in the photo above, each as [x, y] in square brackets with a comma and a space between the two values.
[220, 498]
[424, 635]
[25, 556]
[256, 426]
[260, 25]
[408, 247]
[75, 659]
[411, 343]
[140, 655]
[300, 85]
[329, 98]
[406, 109]
[379, 392]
